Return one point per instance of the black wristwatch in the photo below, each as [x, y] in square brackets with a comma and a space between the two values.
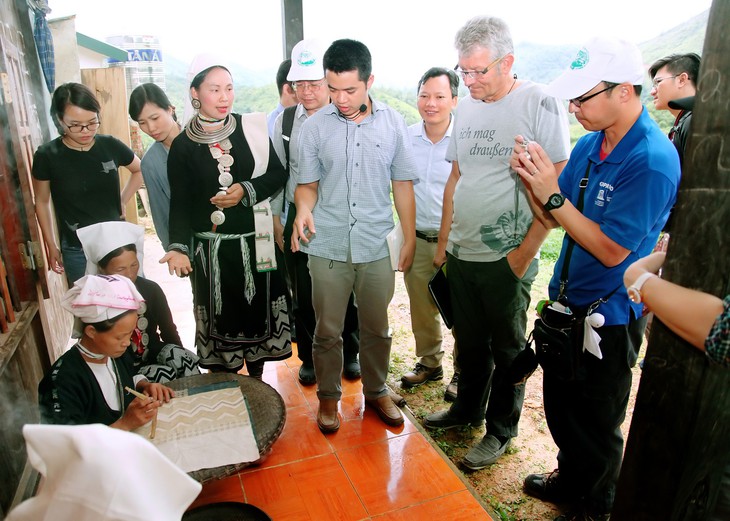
[554, 201]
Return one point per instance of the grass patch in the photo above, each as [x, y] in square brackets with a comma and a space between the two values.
[506, 511]
[550, 250]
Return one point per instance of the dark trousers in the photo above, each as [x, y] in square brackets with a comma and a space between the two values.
[490, 313]
[301, 287]
[585, 415]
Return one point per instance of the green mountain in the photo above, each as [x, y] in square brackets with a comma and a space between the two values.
[256, 91]
[687, 37]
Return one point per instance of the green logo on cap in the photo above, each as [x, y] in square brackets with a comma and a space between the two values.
[306, 59]
[581, 60]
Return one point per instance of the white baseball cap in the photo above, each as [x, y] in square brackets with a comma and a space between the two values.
[600, 59]
[306, 61]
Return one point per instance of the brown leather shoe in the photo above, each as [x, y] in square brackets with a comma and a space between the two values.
[420, 375]
[327, 418]
[386, 409]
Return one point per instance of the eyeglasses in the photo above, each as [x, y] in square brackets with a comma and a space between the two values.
[304, 85]
[77, 129]
[476, 74]
[656, 81]
[579, 101]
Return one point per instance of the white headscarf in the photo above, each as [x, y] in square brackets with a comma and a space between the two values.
[99, 239]
[198, 65]
[97, 473]
[95, 298]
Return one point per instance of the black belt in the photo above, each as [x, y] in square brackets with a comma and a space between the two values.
[426, 237]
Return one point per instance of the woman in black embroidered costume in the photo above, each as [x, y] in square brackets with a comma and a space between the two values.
[87, 383]
[222, 170]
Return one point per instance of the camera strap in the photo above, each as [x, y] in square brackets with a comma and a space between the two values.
[562, 297]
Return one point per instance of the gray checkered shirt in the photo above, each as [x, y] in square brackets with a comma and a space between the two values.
[354, 164]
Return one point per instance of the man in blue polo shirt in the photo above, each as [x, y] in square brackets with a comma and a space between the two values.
[632, 173]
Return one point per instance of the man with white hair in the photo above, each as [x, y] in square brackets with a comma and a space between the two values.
[490, 234]
[612, 199]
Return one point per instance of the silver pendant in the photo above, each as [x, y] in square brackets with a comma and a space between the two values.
[142, 323]
[142, 308]
[225, 179]
[226, 160]
[218, 217]
[226, 144]
[145, 339]
[221, 192]
[216, 152]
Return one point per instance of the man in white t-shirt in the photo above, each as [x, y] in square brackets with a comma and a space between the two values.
[488, 236]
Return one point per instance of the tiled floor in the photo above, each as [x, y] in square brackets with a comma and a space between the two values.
[366, 470]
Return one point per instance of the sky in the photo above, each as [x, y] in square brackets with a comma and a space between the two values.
[405, 37]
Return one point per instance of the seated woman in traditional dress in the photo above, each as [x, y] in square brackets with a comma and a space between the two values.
[87, 383]
[117, 248]
[222, 170]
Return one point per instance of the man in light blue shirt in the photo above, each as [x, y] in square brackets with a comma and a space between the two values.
[438, 92]
[351, 153]
[307, 77]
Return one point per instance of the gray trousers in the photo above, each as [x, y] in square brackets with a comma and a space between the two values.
[332, 283]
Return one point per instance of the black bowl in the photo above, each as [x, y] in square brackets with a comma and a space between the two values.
[228, 511]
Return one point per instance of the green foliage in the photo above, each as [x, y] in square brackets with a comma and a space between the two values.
[550, 250]
[664, 118]
[255, 99]
[409, 113]
[506, 511]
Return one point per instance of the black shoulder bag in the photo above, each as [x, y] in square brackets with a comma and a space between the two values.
[559, 336]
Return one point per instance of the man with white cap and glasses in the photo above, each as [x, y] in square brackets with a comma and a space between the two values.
[307, 77]
[612, 199]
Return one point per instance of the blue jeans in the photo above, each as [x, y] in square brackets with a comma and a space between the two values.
[74, 261]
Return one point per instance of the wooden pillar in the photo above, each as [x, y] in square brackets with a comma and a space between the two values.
[292, 21]
[679, 444]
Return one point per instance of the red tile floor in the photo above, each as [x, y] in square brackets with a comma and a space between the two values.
[366, 470]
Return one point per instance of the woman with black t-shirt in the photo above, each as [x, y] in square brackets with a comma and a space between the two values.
[80, 170]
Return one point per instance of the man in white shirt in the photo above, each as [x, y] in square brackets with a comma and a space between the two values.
[438, 92]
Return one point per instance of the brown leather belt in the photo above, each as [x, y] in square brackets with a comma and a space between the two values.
[426, 237]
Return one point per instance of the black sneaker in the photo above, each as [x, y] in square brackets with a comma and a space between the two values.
[306, 375]
[351, 368]
[548, 487]
[452, 389]
[420, 375]
[445, 420]
[486, 452]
